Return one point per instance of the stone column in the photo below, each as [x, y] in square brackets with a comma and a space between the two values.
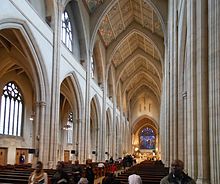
[114, 128]
[214, 89]
[184, 114]
[87, 143]
[202, 91]
[191, 134]
[40, 112]
[181, 76]
[81, 144]
[103, 122]
[54, 106]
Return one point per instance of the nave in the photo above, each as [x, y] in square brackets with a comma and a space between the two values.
[94, 79]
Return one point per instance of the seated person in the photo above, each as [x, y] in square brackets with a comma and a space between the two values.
[60, 175]
[134, 178]
[83, 179]
[38, 176]
[77, 171]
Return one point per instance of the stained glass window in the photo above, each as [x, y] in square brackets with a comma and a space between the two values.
[147, 138]
[11, 113]
[66, 31]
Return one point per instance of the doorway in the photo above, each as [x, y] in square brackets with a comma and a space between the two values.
[21, 151]
[3, 156]
[66, 155]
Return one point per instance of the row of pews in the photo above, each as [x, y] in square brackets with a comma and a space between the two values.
[149, 171]
[19, 174]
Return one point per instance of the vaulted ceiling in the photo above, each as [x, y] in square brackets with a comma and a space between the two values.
[133, 36]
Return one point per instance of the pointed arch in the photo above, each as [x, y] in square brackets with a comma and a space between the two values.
[35, 67]
[23, 60]
[95, 112]
[142, 123]
[137, 123]
[71, 105]
[75, 87]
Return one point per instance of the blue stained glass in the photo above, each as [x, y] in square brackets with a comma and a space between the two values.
[147, 138]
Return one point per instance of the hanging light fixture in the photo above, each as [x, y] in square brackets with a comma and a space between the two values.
[67, 127]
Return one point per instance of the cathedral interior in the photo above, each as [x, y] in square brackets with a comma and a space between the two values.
[94, 79]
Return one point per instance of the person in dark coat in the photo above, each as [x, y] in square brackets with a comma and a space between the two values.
[60, 175]
[89, 174]
[77, 171]
[21, 159]
[177, 175]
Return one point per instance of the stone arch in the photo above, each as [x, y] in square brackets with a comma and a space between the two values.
[156, 41]
[94, 127]
[78, 92]
[36, 68]
[71, 105]
[138, 53]
[140, 123]
[20, 42]
[142, 72]
[135, 123]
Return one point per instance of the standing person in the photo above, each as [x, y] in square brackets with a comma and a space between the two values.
[134, 178]
[89, 174]
[177, 175]
[21, 159]
[111, 161]
[38, 176]
[113, 168]
[60, 176]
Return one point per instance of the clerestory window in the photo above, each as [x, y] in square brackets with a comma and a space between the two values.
[66, 30]
[11, 114]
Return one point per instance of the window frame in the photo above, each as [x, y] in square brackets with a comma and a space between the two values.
[9, 123]
[66, 30]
